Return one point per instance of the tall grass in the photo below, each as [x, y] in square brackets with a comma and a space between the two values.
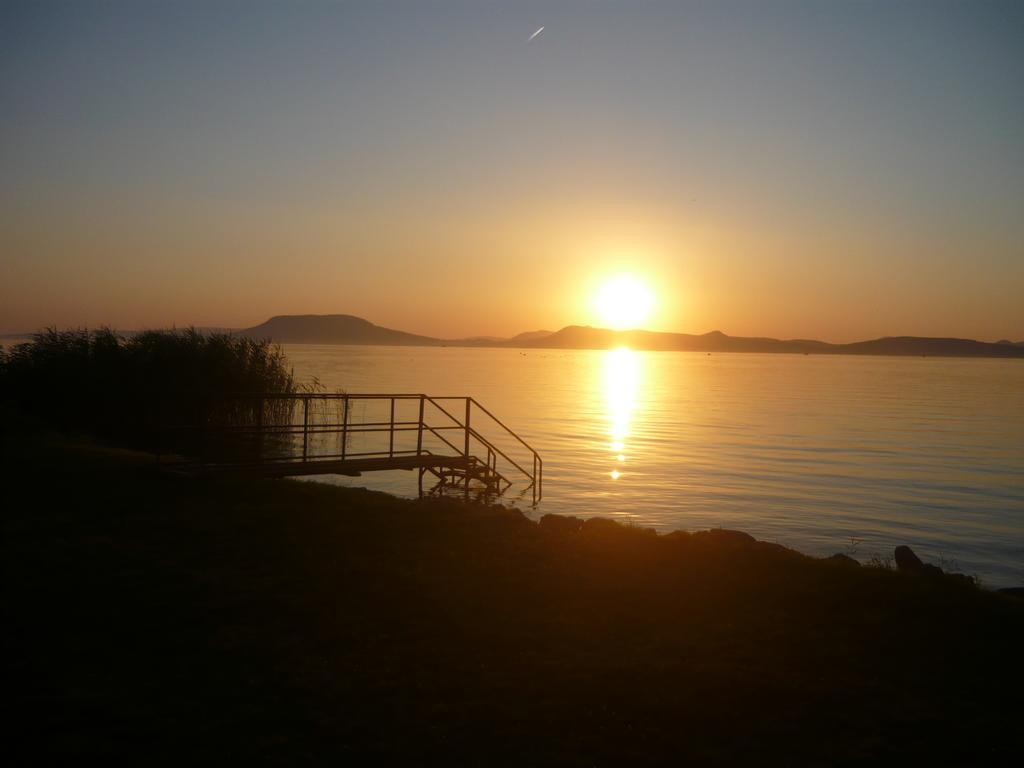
[129, 390]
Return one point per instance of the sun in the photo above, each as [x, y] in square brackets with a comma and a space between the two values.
[624, 302]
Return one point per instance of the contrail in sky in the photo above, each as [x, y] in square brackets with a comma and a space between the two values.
[535, 34]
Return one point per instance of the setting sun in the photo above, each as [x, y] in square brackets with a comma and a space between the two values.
[624, 302]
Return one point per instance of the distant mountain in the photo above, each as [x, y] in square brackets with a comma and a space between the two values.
[334, 329]
[531, 336]
[916, 345]
[498, 341]
[585, 337]
[347, 329]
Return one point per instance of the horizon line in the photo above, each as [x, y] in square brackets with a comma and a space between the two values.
[487, 336]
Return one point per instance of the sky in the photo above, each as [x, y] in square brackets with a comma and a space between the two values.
[832, 170]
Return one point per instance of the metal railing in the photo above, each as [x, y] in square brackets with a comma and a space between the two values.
[302, 430]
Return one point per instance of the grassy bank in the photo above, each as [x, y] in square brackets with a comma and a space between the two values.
[157, 619]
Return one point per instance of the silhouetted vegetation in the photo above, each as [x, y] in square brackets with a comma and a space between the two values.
[128, 390]
[155, 618]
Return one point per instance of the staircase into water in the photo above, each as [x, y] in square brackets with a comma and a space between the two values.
[453, 441]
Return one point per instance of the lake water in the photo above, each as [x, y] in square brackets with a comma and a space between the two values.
[823, 454]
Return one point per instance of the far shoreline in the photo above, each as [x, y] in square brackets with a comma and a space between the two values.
[7, 342]
[874, 355]
[341, 329]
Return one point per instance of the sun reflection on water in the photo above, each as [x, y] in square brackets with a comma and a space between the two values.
[621, 375]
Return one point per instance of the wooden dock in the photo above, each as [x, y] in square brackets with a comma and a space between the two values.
[461, 445]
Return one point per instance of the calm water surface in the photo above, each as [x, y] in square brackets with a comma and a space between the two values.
[823, 454]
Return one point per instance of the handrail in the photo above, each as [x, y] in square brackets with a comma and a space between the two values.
[498, 421]
[502, 425]
[535, 476]
[486, 443]
[497, 450]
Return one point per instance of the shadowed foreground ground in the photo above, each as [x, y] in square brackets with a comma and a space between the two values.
[161, 619]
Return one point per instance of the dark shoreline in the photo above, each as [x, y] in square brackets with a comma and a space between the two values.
[159, 618]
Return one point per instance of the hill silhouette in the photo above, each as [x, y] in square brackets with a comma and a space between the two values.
[586, 337]
[348, 329]
[334, 329]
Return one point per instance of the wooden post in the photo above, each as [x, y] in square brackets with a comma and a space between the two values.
[465, 450]
[344, 429]
[419, 432]
[535, 488]
[305, 427]
[391, 437]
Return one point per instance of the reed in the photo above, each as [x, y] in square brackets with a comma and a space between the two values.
[138, 390]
